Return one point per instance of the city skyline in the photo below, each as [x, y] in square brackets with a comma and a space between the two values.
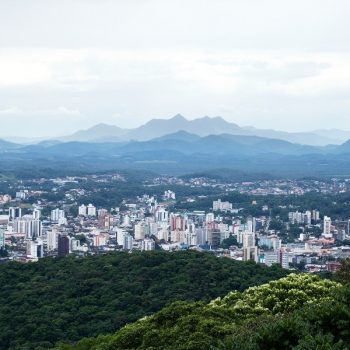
[174, 174]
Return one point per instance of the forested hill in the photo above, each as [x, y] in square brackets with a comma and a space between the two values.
[301, 312]
[68, 299]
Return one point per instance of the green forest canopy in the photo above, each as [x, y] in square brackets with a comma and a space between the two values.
[296, 312]
[66, 299]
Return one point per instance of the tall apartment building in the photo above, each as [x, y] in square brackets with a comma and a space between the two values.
[148, 244]
[221, 206]
[14, 213]
[57, 215]
[52, 240]
[82, 210]
[2, 238]
[139, 231]
[250, 250]
[327, 223]
[63, 245]
[32, 228]
[91, 210]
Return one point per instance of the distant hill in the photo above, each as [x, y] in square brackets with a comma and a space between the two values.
[6, 145]
[219, 145]
[98, 133]
[180, 141]
[335, 134]
[182, 153]
[343, 148]
[227, 174]
[205, 126]
[306, 138]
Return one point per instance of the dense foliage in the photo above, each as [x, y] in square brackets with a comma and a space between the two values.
[70, 298]
[296, 311]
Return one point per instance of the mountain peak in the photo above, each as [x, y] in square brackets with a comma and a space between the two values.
[178, 117]
[101, 126]
[99, 131]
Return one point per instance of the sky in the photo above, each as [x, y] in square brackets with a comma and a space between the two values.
[67, 65]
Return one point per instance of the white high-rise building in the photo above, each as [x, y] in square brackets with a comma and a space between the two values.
[20, 195]
[327, 223]
[52, 240]
[32, 228]
[139, 231]
[82, 211]
[36, 214]
[126, 221]
[201, 236]
[223, 206]
[120, 234]
[57, 215]
[163, 234]
[91, 210]
[169, 195]
[307, 217]
[270, 257]
[250, 250]
[2, 238]
[162, 215]
[148, 244]
[251, 224]
[279, 256]
[315, 215]
[35, 249]
[32, 249]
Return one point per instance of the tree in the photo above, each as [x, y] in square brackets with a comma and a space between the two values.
[228, 242]
[343, 275]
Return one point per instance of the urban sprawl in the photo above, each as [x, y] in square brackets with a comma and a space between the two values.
[33, 226]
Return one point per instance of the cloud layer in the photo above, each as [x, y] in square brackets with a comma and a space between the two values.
[68, 65]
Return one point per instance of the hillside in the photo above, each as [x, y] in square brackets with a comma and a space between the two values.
[98, 133]
[6, 145]
[295, 312]
[67, 299]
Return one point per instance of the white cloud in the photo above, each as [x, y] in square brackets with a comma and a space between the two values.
[14, 110]
[20, 72]
[289, 89]
[68, 111]
[11, 110]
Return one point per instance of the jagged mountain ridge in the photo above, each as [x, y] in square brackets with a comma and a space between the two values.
[202, 127]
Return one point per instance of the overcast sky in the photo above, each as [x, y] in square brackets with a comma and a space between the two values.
[69, 64]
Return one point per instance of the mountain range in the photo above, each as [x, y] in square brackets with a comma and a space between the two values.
[202, 127]
[181, 153]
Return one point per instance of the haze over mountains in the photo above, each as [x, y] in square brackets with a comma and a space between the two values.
[180, 152]
[202, 127]
[180, 146]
